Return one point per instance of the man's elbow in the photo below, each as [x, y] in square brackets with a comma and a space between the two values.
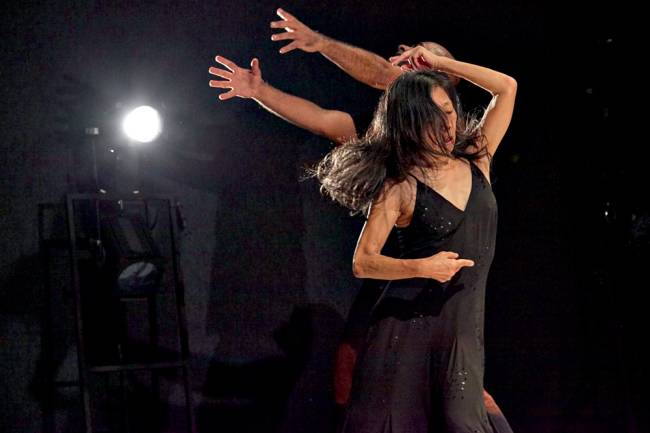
[321, 130]
[336, 126]
[338, 139]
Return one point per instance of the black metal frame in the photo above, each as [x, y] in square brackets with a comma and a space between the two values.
[179, 292]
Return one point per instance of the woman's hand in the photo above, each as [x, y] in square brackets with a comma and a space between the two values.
[244, 83]
[417, 58]
[444, 265]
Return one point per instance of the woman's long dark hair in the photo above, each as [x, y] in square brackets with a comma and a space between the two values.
[405, 120]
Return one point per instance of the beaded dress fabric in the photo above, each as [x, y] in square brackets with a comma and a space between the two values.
[421, 368]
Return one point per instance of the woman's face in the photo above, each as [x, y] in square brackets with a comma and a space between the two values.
[441, 99]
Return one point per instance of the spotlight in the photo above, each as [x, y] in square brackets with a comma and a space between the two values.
[143, 124]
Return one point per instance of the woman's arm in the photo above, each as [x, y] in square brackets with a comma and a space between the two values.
[503, 88]
[368, 262]
[336, 125]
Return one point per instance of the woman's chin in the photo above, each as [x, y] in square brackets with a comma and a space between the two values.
[449, 145]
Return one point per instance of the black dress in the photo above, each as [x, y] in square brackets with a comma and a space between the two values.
[421, 368]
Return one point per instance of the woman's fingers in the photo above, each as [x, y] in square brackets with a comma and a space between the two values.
[464, 262]
[396, 59]
[412, 63]
[420, 61]
[448, 264]
[411, 55]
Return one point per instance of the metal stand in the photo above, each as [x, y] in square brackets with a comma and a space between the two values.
[84, 234]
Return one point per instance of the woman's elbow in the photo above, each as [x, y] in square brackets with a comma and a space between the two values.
[510, 84]
[357, 267]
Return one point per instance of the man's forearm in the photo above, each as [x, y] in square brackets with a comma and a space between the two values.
[298, 111]
[336, 125]
[360, 64]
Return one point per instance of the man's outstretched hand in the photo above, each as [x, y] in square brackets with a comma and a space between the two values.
[244, 83]
[302, 37]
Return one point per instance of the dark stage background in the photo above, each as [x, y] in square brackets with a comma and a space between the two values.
[267, 260]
